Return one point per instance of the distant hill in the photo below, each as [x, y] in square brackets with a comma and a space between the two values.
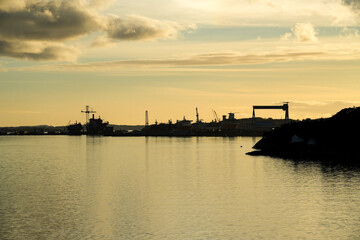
[38, 128]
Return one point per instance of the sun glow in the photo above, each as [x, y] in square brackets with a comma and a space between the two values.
[209, 5]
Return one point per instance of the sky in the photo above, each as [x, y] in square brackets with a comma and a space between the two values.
[170, 56]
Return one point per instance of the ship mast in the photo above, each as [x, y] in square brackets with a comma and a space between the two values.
[87, 111]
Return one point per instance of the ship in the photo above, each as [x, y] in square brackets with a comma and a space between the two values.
[96, 126]
[75, 129]
[182, 127]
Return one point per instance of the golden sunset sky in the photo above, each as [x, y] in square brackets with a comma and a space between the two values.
[171, 56]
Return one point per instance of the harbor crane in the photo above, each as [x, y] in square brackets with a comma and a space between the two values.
[198, 120]
[87, 111]
[216, 116]
[284, 107]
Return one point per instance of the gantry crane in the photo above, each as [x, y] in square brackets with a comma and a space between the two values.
[284, 107]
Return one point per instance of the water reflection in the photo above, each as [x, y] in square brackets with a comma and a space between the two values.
[169, 188]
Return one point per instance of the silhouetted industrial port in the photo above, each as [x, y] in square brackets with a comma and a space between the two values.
[228, 125]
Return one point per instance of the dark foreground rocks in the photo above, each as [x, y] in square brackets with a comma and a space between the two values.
[337, 137]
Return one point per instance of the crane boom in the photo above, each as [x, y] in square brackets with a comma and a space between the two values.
[216, 116]
[284, 107]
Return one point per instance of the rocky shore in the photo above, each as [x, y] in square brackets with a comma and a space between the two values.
[337, 137]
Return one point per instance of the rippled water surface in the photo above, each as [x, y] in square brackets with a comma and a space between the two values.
[63, 187]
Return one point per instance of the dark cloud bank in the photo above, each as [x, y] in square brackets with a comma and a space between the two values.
[38, 30]
[354, 4]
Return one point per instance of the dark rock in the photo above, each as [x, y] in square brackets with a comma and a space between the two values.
[334, 136]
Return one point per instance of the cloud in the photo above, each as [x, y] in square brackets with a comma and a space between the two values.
[305, 32]
[320, 109]
[11, 4]
[350, 32]
[100, 4]
[286, 36]
[37, 30]
[135, 28]
[38, 51]
[354, 4]
[103, 42]
[50, 21]
[140, 28]
[204, 60]
[54, 21]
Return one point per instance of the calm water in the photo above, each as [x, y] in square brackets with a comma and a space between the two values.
[62, 187]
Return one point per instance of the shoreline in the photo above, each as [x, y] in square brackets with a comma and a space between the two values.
[129, 135]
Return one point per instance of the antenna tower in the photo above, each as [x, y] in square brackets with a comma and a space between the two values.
[197, 115]
[146, 118]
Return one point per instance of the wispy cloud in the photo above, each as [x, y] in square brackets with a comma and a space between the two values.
[243, 60]
[286, 36]
[38, 51]
[100, 4]
[270, 12]
[213, 59]
[320, 108]
[140, 28]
